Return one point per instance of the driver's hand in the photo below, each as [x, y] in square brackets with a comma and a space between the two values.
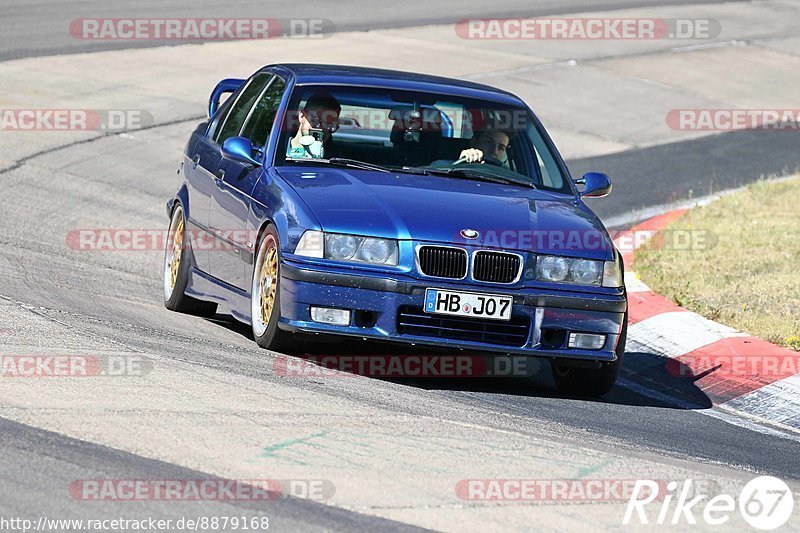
[472, 155]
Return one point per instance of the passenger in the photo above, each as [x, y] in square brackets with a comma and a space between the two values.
[318, 120]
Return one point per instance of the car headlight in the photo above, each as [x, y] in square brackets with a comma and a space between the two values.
[348, 248]
[340, 247]
[586, 272]
[376, 250]
[570, 270]
[552, 268]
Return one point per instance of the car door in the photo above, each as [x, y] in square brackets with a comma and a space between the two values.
[230, 202]
[200, 163]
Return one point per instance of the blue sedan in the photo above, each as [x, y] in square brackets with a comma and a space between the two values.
[399, 207]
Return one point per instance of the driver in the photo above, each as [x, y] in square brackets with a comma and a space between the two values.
[318, 120]
[487, 143]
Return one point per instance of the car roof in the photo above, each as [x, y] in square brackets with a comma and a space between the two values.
[312, 74]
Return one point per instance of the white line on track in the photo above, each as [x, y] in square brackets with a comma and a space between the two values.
[677, 333]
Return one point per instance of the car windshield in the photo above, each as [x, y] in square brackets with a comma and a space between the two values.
[418, 132]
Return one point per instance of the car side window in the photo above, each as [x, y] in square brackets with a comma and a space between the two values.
[241, 107]
[216, 121]
[547, 181]
[548, 168]
[259, 123]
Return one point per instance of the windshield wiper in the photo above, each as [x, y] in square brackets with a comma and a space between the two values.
[354, 163]
[453, 172]
[344, 162]
[478, 176]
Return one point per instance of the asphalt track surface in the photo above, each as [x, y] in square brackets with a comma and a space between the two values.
[94, 300]
[36, 27]
[674, 172]
[44, 460]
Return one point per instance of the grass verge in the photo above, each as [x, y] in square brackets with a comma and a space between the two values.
[735, 261]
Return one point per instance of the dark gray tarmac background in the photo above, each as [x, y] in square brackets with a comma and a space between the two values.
[674, 172]
[32, 28]
[37, 468]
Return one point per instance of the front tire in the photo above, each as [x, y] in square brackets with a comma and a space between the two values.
[265, 293]
[575, 380]
[176, 271]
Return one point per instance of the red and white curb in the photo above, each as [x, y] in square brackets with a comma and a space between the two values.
[740, 374]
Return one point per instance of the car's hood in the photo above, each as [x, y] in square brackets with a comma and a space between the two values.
[437, 209]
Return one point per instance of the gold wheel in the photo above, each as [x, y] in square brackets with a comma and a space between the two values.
[177, 248]
[267, 282]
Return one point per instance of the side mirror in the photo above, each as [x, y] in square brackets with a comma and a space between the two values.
[230, 85]
[595, 185]
[239, 149]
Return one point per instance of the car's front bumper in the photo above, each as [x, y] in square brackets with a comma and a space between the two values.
[387, 297]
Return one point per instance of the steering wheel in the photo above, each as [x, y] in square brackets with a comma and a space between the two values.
[487, 159]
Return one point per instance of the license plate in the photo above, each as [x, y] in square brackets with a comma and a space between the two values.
[469, 304]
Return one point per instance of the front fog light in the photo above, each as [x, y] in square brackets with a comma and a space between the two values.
[327, 315]
[586, 341]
